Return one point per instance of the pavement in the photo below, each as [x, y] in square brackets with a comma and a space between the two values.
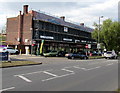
[62, 74]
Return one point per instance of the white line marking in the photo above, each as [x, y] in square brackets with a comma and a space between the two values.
[109, 64]
[93, 68]
[32, 73]
[24, 78]
[50, 73]
[58, 77]
[7, 89]
[67, 70]
[76, 67]
[80, 68]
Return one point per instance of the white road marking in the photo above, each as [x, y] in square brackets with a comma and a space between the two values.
[57, 77]
[50, 73]
[93, 68]
[24, 78]
[80, 68]
[32, 73]
[7, 89]
[67, 70]
[109, 64]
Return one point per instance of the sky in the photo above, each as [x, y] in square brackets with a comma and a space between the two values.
[75, 11]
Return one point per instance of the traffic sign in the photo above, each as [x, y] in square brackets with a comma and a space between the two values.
[89, 45]
[86, 46]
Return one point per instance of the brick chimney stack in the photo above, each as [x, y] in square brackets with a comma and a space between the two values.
[25, 9]
[63, 18]
[82, 24]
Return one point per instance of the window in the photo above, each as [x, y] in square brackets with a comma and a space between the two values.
[65, 29]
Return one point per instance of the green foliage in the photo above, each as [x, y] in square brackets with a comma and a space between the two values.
[109, 34]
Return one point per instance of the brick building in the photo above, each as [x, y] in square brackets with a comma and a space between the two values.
[32, 27]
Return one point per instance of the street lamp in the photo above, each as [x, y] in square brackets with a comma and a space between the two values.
[31, 29]
[98, 45]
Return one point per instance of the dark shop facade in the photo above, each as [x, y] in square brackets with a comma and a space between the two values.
[36, 29]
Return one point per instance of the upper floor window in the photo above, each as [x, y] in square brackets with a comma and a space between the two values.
[65, 29]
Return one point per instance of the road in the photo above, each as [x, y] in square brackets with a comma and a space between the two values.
[61, 74]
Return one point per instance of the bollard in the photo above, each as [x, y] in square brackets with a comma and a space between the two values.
[9, 60]
[20, 51]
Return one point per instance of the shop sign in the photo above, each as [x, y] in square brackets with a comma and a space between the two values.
[83, 41]
[47, 37]
[77, 41]
[66, 39]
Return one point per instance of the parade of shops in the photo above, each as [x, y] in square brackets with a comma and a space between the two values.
[34, 30]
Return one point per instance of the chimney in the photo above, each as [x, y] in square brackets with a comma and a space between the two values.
[19, 27]
[25, 9]
[20, 12]
[63, 18]
[82, 24]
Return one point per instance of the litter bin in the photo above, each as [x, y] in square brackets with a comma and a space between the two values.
[4, 56]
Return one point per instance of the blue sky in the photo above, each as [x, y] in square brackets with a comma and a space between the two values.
[77, 11]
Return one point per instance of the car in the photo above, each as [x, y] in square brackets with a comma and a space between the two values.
[77, 55]
[110, 55]
[50, 53]
[67, 54]
[61, 54]
[9, 49]
[94, 53]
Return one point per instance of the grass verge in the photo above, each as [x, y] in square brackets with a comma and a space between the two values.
[17, 63]
[95, 57]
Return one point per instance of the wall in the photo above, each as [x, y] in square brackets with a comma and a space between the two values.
[12, 31]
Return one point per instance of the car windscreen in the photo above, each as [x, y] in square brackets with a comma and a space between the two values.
[47, 51]
[109, 52]
[9, 48]
[53, 51]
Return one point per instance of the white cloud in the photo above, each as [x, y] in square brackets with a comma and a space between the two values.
[78, 11]
[90, 14]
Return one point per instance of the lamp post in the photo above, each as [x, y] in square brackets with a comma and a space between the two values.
[31, 29]
[98, 45]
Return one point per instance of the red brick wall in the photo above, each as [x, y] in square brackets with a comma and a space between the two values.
[27, 24]
[12, 31]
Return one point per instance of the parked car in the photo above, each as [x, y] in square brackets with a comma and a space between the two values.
[61, 54]
[9, 49]
[67, 54]
[110, 55]
[50, 53]
[77, 55]
[94, 53]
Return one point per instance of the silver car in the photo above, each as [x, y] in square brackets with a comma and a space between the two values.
[9, 49]
[110, 55]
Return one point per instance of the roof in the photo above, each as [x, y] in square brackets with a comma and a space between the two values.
[59, 21]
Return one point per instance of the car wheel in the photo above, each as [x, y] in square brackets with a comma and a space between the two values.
[85, 58]
[116, 57]
[16, 52]
[72, 57]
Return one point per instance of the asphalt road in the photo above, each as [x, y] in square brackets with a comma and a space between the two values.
[61, 74]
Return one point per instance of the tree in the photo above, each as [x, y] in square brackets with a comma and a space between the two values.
[109, 34]
[3, 31]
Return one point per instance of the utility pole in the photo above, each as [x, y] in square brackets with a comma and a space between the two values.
[98, 45]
